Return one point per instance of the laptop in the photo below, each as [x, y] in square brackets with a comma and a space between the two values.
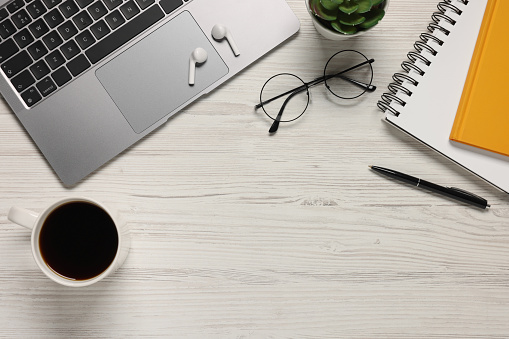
[89, 78]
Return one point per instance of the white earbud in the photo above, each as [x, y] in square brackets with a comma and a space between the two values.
[219, 32]
[199, 56]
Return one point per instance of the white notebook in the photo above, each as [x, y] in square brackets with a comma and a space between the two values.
[428, 113]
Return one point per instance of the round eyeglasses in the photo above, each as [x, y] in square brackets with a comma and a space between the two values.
[347, 75]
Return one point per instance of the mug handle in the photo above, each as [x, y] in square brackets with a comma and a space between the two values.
[22, 217]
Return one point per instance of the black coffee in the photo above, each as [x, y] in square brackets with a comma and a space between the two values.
[78, 240]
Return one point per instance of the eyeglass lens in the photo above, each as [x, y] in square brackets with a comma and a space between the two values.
[282, 83]
[353, 83]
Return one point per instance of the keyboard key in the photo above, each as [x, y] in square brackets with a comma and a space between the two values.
[46, 86]
[7, 49]
[23, 38]
[61, 76]
[129, 9]
[15, 5]
[54, 18]
[144, 3]
[97, 10]
[170, 5]
[37, 50]
[78, 65]
[6, 28]
[70, 49]
[55, 59]
[51, 3]
[85, 39]
[115, 19]
[131, 29]
[3, 14]
[36, 9]
[84, 3]
[112, 4]
[82, 20]
[31, 96]
[52, 40]
[67, 30]
[16, 64]
[100, 29]
[21, 19]
[22, 81]
[39, 28]
[39, 69]
[69, 8]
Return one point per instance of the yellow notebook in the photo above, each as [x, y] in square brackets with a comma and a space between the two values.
[482, 119]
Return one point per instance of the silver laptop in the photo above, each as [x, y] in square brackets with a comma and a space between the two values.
[88, 78]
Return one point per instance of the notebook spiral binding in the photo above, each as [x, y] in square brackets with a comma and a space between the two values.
[409, 65]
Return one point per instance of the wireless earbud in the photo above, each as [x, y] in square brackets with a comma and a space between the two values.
[199, 56]
[219, 32]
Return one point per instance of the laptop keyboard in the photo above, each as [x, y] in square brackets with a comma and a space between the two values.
[44, 44]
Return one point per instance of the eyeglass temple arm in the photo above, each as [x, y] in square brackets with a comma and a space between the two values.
[275, 125]
[319, 80]
[367, 87]
[361, 84]
[299, 89]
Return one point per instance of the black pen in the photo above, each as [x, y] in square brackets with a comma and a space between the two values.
[451, 192]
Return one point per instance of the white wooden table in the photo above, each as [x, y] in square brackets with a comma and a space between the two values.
[238, 234]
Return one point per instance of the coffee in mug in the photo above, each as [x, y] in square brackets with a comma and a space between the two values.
[76, 241]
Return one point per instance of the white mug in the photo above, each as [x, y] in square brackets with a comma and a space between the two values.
[66, 208]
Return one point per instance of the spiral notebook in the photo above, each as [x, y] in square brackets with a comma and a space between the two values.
[423, 100]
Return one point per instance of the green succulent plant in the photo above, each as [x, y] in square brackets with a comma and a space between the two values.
[348, 16]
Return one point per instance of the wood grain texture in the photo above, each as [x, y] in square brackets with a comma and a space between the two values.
[238, 234]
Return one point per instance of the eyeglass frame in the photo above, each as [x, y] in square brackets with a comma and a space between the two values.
[367, 87]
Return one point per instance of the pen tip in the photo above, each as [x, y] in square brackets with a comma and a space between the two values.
[369, 166]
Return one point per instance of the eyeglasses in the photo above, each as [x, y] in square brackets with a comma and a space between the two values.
[286, 92]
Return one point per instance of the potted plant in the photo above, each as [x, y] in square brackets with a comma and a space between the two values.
[336, 19]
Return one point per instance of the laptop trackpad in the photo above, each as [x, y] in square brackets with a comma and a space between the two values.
[151, 79]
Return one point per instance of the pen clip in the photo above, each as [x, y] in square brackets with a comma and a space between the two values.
[466, 192]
